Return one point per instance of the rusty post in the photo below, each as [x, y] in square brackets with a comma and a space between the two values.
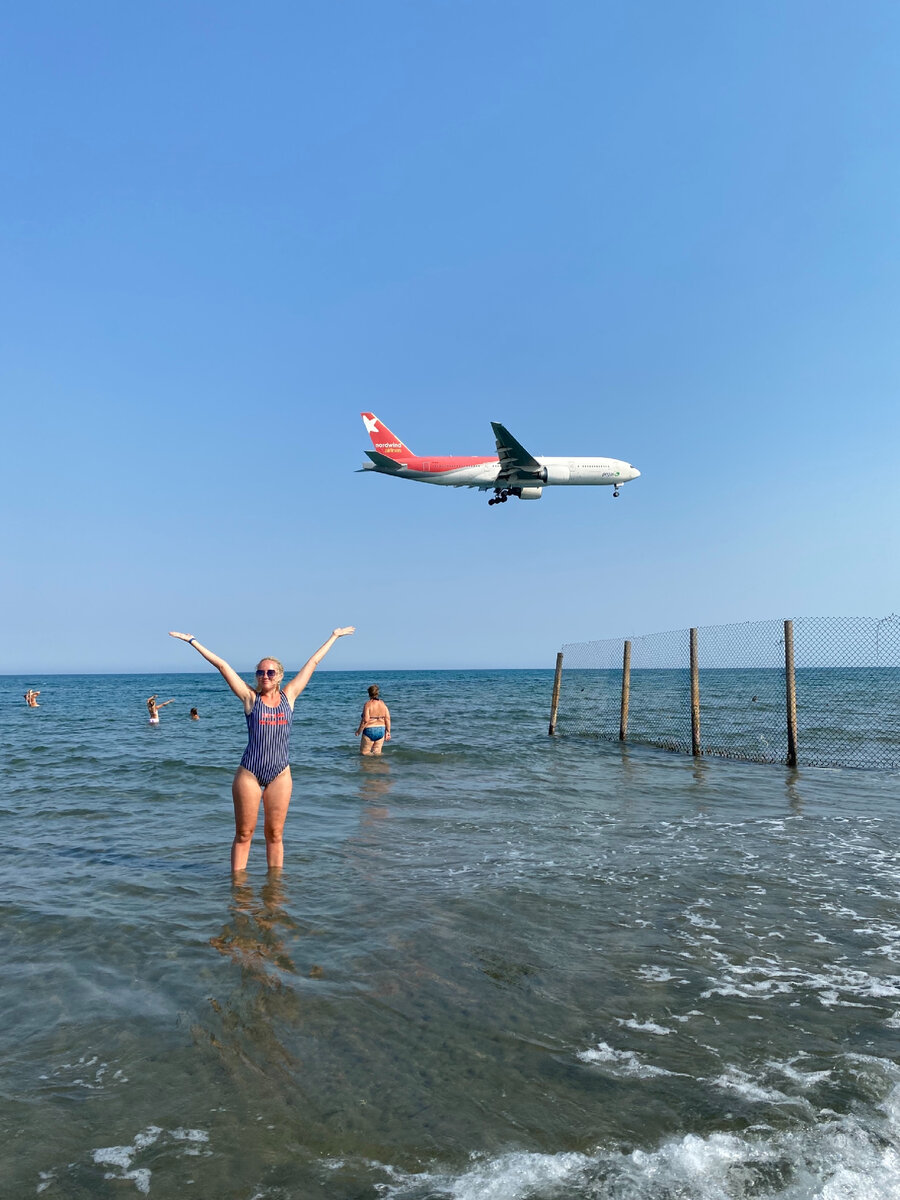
[695, 698]
[554, 703]
[790, 682]
[626, 691]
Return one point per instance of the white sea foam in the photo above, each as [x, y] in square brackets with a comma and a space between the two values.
[835, 1159]
[189, 1135]
[655, 974]
[643, 1026]
[620, 1062]
[836, 984]
[701, 922]
[509, 1177]
[87, 1072]
[743, 1085]
[122, 1157]
[114, 1156]
[804, 1079]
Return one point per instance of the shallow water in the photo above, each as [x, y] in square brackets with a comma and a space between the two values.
[845, 717]
[496, 965]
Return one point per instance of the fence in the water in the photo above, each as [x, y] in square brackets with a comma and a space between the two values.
[815, 691]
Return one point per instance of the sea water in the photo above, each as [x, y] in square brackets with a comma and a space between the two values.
[845, 717]
[496, 966]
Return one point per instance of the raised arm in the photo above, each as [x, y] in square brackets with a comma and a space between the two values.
[164, 703]
[242, 690]
[299, 682]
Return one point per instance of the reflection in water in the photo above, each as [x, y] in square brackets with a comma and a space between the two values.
[257, 1023]
[626, 796]
[625, 754]
[375, 784]
[795, 800]
[699, 773]
[254, 937]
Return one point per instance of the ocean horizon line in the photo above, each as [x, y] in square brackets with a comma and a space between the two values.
[319, 671]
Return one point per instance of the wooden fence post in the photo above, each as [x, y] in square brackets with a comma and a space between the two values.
[695, 698]
[626, 692]
[790, 693]
[554, 703]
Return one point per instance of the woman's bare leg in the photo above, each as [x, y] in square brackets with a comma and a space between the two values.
[245, 792]
[378, 746]
[365, 745]
[276, 798]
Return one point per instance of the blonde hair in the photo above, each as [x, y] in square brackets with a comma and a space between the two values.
[278, 664]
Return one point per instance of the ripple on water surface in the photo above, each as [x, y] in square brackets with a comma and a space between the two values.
[504, 967]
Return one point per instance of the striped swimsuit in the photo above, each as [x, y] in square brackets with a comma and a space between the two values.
[269, 731]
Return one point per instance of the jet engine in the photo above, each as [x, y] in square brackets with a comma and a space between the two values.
[555, 474]
[529, 493]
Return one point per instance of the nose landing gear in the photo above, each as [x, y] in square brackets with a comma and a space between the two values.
[615, 494]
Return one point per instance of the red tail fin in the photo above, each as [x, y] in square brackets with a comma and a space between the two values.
[384, 441]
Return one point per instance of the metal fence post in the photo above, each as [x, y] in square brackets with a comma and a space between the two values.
[554, 703]
[626, 692]
[695, 698]
[790, 683]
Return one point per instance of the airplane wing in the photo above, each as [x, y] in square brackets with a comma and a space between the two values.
[514, 458]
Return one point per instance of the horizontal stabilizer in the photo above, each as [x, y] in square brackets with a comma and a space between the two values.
[382, 463]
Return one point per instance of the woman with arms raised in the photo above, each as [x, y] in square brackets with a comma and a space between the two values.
[153, 708]
[265, 771]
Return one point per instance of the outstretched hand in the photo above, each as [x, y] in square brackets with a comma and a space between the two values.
[184, 637]
[335, 632]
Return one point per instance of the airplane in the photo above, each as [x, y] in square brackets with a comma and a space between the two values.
[513, 472]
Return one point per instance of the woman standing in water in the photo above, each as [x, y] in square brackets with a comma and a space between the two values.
[374, 724]
[153, 708]
[265, 771]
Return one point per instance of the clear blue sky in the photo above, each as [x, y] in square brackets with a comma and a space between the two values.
[666, 232]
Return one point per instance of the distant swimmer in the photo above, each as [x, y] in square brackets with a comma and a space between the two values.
[374, 724]
[153, 708]
[31, 698]
[195, 716]
[265, 771]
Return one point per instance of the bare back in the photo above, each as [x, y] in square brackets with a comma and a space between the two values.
[374, 712]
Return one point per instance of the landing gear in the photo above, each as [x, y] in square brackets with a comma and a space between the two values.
[616, 494]
[500, 496]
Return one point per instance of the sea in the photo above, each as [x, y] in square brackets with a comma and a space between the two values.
[845, 716]
[496, 966]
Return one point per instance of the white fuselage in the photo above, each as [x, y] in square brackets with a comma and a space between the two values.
[571, 471]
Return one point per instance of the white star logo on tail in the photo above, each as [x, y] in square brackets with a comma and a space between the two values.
[371, 424]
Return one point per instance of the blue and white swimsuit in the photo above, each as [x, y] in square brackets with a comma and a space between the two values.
[268, 745]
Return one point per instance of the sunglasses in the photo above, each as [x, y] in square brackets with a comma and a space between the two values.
[270, 674]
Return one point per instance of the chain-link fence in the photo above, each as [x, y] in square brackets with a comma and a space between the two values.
[831, 697]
